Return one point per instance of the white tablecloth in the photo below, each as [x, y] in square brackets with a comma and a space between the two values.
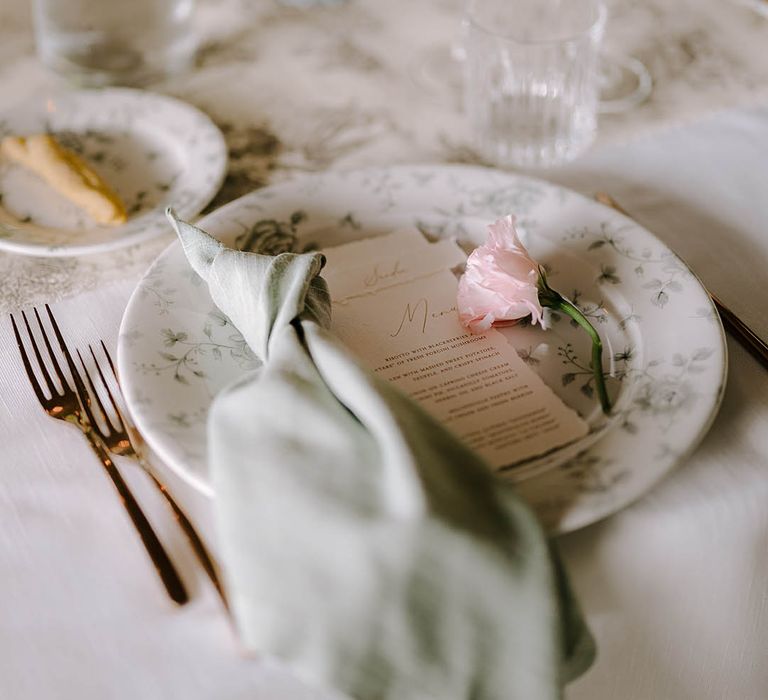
[675, 587]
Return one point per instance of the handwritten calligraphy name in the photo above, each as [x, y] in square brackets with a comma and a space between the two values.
[377, 275]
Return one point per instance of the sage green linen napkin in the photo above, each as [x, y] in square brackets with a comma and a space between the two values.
[361, 541]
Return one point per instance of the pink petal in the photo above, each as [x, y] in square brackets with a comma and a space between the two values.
[500, 281]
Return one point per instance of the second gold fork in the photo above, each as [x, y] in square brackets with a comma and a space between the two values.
[116, 435]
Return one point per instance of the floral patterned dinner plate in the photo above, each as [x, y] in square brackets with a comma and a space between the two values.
[665, 349]
[152, 149]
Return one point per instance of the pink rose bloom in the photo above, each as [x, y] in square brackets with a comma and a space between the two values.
[499, 285]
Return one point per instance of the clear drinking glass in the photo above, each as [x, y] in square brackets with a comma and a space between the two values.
[115, 42]
[531, 78]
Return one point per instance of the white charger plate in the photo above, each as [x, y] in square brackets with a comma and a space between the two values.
[154, 150]
[664, 342]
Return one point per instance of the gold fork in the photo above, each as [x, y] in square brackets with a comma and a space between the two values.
[117, 437]
[750, 340]
[65, 405]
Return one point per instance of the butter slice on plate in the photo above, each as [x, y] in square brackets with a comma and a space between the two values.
[68, 174]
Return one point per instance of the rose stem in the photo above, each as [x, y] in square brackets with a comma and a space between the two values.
[561, 304]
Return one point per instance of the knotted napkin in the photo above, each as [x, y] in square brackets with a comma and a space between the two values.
[361, 541]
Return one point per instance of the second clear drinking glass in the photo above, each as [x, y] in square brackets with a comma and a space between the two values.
[531, 78]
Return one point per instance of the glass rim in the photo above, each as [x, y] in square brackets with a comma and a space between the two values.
[597, 24]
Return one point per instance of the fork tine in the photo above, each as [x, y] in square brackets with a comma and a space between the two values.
[118, 417]
[93, 396]
[35, 346]
[109, 359]
[27, 365]
[80, 387]
[51, 354]
[86, 400]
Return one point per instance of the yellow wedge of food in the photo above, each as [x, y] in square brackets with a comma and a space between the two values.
[68, 174]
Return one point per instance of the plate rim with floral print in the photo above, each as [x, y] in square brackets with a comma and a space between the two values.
[154, 149]
[665, 344]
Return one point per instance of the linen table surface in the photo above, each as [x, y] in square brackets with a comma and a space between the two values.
[674, 587]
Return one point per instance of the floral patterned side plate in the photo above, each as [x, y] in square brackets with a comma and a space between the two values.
[665, 348]
[154, 150]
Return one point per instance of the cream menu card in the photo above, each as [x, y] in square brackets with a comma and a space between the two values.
[394, 305]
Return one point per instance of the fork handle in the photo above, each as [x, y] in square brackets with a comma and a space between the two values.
[197, 544]
[163, 564]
